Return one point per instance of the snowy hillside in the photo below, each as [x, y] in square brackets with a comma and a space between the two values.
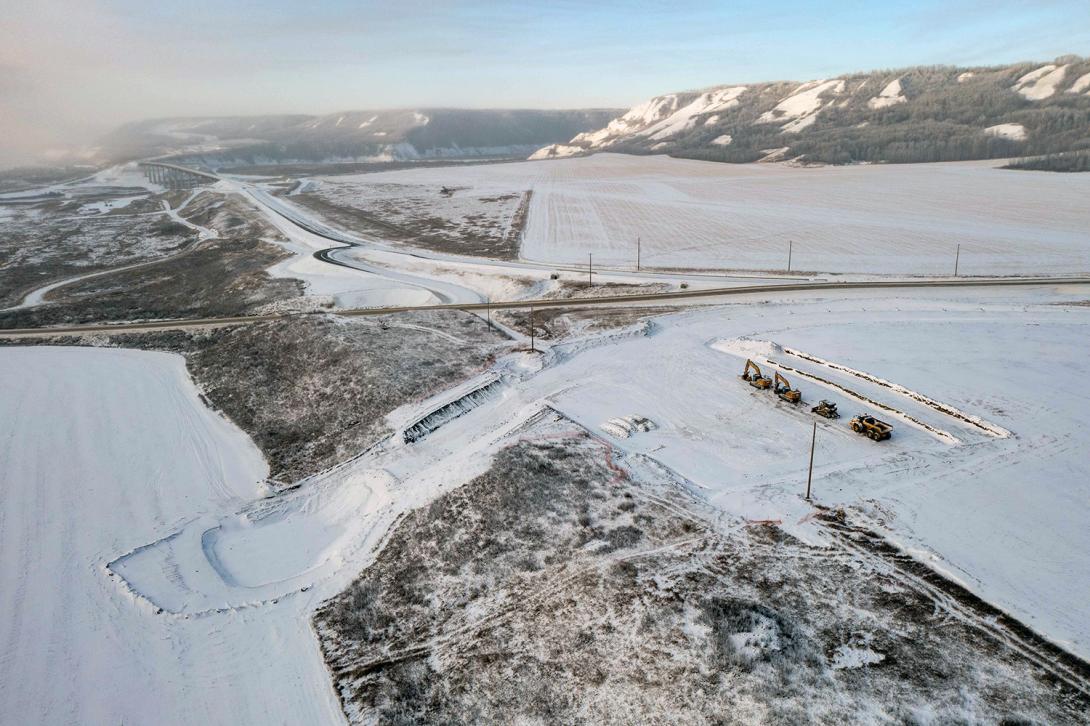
[915, 114]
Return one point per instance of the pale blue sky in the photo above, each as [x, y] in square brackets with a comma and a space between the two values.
[70, 64]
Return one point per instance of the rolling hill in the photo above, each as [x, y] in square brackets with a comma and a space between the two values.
[927, 113]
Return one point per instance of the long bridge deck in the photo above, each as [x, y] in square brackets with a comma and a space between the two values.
[174, 176]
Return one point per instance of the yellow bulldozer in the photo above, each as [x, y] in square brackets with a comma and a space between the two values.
[784, 390]
[871, 427]
[755, 378]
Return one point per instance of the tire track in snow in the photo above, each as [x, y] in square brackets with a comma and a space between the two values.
[873, 549]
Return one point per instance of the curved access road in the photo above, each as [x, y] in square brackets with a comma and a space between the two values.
[768, 291]
[313, 233]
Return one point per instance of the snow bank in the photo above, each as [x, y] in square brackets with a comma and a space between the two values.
[723, 140]
[990, 428]
[622, 427]
[746, 347]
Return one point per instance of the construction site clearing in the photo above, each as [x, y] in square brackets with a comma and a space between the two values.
[863, 424]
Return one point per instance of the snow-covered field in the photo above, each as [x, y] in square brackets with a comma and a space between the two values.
[105, 451]
[878, 219]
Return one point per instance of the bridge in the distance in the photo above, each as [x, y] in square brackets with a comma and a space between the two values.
[173, 176]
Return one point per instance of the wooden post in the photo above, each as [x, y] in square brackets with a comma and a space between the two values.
[790, 245]
[590, 269]
[957, 258]
[532, 328]
[637, 253]
[810, 476]
[488, 310]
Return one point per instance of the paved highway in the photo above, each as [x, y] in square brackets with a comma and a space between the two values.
[766, 291]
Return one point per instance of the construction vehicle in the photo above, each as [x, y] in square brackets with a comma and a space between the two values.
[784, 390]
[755, 379]
[870, 426]
[826, 409]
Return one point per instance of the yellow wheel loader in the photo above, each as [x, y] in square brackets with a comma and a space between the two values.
[871, 427]
[755, 378]
[784, 390]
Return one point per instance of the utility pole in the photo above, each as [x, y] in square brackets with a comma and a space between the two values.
[810, 476]
[637, 253]
[488, 310]
[590, 269]
[532, 328]
[957, 257]
[790, 245]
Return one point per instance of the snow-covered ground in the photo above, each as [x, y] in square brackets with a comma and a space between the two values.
[180, 587]
[380, 272]
[1008, 516]
[176, 589]
[1004, 514]
[903, 219]
[363, 286]
[105, 451]
[888, 219]
[984, 478]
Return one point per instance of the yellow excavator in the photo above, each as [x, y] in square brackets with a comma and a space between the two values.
[755, 378]
[784, 390]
